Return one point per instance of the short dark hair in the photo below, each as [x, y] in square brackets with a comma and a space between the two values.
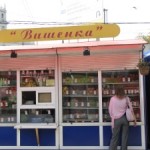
[120, 91]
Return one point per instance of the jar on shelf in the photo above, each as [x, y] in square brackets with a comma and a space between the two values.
[43, 81]
[26, 80]
[10, 91]
[42, 72]
[73, 92]
[34, 72]
[68, 104]
[7, 91]
[27, 73]
[129, 79]
[92, 79]
[95, 92]
[8, 81]
[71, 116]
[9, 119]
[3, 103]
[125, 91]
[123, 79]
[1, 119]
[107, 91]
[103, 80]
[76, 103]
[67, 92]
[104, 104]
[75, 80]
[113, 90]
[37, 112]
[22, 72]
[105, 116]
[77, 115]
[26, 112]
[82, 104]
[4, 81]
[96, 116]
[12, 119]
[84, 92]
[88, 104]
[9, 73]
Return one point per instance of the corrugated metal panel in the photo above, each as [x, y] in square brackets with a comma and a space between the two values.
[99, 62]
[27, 63]
[108, 57]
[111, 56]
[29, 52]
[101, 49]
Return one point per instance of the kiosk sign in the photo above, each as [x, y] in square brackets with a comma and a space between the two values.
[59, 33]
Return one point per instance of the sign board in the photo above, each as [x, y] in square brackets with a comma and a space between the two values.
[59, 33]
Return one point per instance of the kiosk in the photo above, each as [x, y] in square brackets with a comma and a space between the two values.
[56, 97]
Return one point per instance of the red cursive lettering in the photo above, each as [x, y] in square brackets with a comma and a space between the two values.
[59, 35]
[68, 34]
[79, 34]
[29, 34]
[37, 36]
[88, 33]
[26, 34]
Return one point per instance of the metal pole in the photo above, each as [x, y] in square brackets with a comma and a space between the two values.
[105, 15]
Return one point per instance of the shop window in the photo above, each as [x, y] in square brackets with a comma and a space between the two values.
[44, 97]
[28, 97]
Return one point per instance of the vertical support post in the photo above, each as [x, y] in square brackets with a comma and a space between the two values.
[37, 136]
[105, 15]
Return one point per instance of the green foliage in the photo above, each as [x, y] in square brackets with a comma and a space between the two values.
[144, 37]
[142, 63]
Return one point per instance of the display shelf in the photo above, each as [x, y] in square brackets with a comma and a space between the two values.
[37, 78]
[80, 102]
[80, 96]
[37, 116]
[127, 78]
[8, 115]
[37, 97]
[8, 97]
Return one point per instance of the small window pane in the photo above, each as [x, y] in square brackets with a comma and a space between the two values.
[28, 97]
[44, 97]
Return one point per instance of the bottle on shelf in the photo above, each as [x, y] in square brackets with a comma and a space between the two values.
[130, 81]
[88, 104]
[82, 89]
